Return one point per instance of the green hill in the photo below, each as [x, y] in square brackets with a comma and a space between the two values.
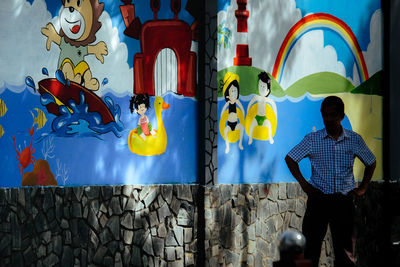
[372, 86]
[320, 83]
[317, 83]
[249, 81]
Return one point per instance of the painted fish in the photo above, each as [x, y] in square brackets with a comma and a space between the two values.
[40, 120]
[1, 131]
[3, 108]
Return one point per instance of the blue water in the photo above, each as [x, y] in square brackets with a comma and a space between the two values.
[262, 162]
[96, 155]
[79, 121]
[101, 158]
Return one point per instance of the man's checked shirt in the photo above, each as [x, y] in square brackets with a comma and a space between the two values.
[332, 160]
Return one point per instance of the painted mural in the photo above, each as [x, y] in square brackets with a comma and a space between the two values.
[98, 92]
[277, 60]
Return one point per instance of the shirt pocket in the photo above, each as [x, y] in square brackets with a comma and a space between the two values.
[348, 159]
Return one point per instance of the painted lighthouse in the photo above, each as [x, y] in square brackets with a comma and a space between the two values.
[242, 48]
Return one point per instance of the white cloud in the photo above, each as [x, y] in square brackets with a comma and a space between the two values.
[23, 48]
[374, 54]
[115, 67]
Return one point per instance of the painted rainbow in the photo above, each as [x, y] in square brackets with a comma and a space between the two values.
[314, 22]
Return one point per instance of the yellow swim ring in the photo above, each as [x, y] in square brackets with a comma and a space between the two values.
[260, 132]
[233, 136]
[152, 144]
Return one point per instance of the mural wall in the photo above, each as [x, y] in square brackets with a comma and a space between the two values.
[98, 92]
[277, 60]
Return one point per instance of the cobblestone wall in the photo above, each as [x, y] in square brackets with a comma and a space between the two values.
[244, 221]
[157, 225]
[92, 226]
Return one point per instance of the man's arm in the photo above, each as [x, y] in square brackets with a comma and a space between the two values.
[295, 170]
[368, 172]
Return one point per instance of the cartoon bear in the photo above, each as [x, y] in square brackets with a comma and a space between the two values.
[79, 24]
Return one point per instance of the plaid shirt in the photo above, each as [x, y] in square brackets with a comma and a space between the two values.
[332, 160]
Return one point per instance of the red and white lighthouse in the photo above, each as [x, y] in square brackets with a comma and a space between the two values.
[242, 48]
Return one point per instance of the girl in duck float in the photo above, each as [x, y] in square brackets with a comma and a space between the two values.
[264, 118]
[142, 104]
[156, 142]
[235, 117]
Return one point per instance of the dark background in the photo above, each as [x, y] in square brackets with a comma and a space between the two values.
[392, 96]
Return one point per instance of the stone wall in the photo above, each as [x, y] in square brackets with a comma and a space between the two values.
[244, 221]
[99, 225]
[157, 225]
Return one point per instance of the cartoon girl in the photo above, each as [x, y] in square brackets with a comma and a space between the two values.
[230, 91]
[142, 103]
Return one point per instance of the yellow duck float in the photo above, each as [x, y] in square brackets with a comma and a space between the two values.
[152, 144]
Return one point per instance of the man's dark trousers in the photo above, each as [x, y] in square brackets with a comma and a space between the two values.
[337, 210]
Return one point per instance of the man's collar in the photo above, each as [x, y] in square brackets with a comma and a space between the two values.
[342, 136]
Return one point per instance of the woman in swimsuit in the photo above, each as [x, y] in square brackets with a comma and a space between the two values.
[142, 103]
[231, 93]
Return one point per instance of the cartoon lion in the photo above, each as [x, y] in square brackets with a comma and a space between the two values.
[79, 21]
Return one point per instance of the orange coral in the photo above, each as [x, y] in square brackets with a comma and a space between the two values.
[41, 175]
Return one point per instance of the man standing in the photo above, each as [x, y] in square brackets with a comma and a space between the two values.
[331, 188]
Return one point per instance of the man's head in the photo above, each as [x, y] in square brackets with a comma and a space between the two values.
[332, 110]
